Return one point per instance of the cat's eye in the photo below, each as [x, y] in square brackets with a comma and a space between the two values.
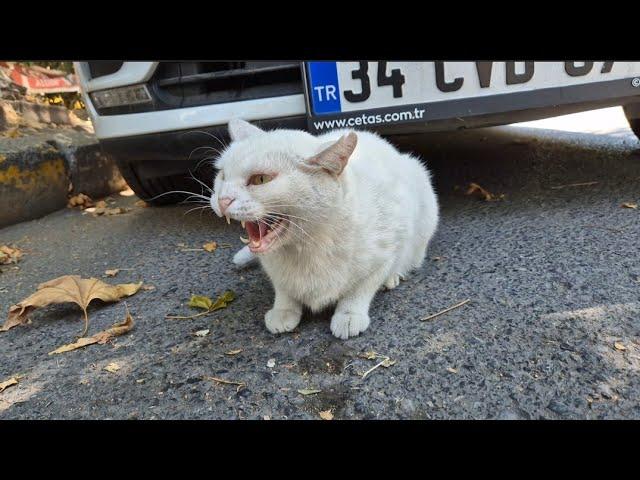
[260, 179]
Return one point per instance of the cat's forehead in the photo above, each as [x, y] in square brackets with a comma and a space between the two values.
[275, 149]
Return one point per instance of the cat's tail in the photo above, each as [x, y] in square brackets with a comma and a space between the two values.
[244, 257]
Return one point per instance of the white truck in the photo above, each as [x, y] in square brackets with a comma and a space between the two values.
[152, 117]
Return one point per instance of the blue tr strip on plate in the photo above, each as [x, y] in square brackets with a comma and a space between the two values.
[324, 88]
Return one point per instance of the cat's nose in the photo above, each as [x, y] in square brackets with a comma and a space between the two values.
[224, 203]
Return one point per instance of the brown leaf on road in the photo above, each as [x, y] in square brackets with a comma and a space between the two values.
[629, 205]
[111, 273]
[326, 415]
[233, 352]
[9, 255]
[8, 383]
[141, 204]
[210, 247]
[12, 133]
[100, 337]
[478, 191]
[619, 346]
[80, 200]
[68, 288]
[113, 367]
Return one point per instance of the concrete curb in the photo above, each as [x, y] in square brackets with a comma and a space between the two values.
[38, 172]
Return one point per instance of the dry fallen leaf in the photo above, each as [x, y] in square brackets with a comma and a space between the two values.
[111, 273]
[326, 415]
[13, 133]
[452, 370]
[233, 352]
[8, 383]
[205, 303]
[202, 333]
[308, 391]
[80, 200]
[200, 301]
[9, 255]
[113, 367]
[619, 346]
[148, 287]
[629, 205]
[102, 208]
[68, 288]
[127, 192]
[210, 247]
[141, 204]
[100, 337]
[477, 190]
[370, 355]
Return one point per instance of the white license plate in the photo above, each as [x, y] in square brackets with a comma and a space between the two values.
[368, 94]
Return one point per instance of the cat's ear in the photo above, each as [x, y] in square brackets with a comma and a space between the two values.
[334, 157]
[239, 129]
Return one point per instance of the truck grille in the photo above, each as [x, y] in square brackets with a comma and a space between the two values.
[191, 84]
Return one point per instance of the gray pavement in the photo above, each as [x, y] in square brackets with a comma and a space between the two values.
[551, 273]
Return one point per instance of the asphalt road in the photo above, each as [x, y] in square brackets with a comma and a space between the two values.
[551, 273]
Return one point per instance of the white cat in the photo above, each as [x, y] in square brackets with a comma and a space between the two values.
[331, 218]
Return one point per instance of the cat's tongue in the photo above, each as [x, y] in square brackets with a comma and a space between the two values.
[256, 230]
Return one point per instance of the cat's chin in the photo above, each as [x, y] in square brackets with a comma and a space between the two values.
[263, 237]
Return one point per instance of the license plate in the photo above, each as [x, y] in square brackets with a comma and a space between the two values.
[373, 94]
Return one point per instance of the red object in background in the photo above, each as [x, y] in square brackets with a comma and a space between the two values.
[39, 80]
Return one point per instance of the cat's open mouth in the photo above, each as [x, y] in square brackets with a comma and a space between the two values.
[263, 233]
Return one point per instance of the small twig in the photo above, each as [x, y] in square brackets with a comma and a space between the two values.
[374, 367]
[584, 184]
[240, 385]
[181, 317]
[457, 305]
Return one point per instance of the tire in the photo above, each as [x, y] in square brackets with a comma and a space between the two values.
[155, 189]
[632, 113]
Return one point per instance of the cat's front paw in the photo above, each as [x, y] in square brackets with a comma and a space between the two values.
[348, 324]
[279, 321]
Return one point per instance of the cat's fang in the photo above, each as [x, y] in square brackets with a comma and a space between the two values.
[228, 219]
[242, 223]
[244, 240]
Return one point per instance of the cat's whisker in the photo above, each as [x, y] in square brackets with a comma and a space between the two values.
[202, 147]
[224, 145]
[201, 183]
[211, 157]
[288, 216]
[202, 208]
[276, 219]
[171, 192]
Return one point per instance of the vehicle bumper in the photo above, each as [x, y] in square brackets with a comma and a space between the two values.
[183, 145]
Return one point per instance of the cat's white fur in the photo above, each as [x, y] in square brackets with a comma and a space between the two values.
[355, 231]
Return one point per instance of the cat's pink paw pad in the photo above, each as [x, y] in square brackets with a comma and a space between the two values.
[345, 325]
[280, 321]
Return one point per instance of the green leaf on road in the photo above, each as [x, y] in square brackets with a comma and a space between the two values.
[200, 301]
